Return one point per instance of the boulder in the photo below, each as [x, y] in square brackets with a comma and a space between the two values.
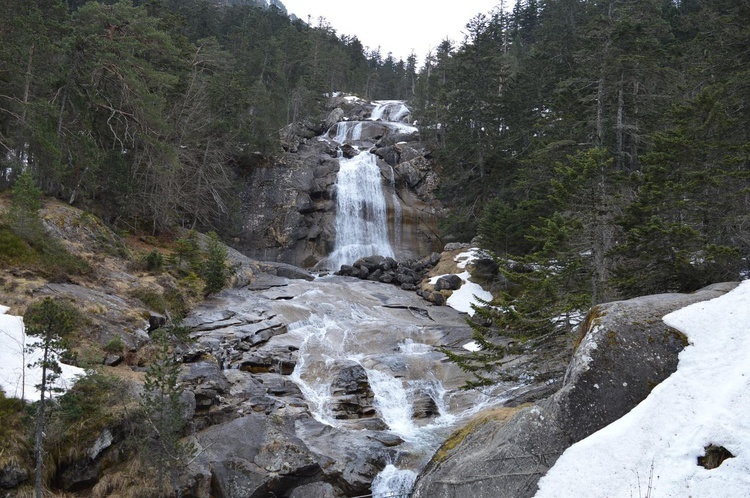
[484, 270]
[12, 475]
[290, 271]
[254, 456]
[448, 282]
[351, 394]
[350, 459]
[334, 117]
[314, 490]
[156, 321]
[424, 406]
[348, 151]
[624, 352]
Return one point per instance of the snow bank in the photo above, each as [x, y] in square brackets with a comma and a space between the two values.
[466, 295]
[16, 378]
[653, 450]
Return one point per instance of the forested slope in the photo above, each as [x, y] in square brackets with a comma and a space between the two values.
[141, 110]
[603, 143]
[608, 136]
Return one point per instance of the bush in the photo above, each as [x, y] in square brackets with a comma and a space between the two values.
[154, 261]
[215, 269]
[153, 300]
[115, 345]
[12, 430]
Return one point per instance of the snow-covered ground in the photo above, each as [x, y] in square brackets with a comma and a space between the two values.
[653, 450]
[466, 295]
[16, 378]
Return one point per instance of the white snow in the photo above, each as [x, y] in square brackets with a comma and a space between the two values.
[466, 295]
[16, 378]
[472, 346]
[653, 450]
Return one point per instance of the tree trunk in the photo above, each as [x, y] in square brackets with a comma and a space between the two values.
[40, 428]
[620, 126]
[21, 145]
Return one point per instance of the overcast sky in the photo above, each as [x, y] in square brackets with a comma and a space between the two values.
[398, 26]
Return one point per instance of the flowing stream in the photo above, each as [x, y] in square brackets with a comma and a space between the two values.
[396, 347]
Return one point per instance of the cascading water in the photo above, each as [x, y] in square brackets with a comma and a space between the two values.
[362, 217]
[402, 366]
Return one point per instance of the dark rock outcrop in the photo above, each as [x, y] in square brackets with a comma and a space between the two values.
[405, 274]
[11, 475]
[253, 456]
[625, 351]
[289, 204]
[448, 282]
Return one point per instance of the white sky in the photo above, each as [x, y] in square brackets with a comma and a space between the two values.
[398, 26]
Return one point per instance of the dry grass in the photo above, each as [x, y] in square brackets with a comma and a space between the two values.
[500, 414]
[134, 479]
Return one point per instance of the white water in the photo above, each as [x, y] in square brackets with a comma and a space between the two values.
[397, 350]
[348, 131]
[394, 111]
[361, 215]
[392, 482]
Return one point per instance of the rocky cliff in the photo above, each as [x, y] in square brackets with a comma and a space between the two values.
[289, 205]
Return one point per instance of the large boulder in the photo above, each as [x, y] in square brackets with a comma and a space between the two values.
[624, 352]
[253, 456]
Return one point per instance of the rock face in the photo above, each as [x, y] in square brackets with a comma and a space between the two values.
[289, 205]
[289, 385]
[626, 350]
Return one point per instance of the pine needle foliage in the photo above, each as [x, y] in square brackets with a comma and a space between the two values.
[215, 268]
[164, 415]
[540, 301]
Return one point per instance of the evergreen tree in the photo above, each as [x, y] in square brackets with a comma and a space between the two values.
[51, 322]
[164, 414]
[215, 268]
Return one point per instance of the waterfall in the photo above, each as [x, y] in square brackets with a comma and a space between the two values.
[392, 482]
[361, 223]
[361, 217]
[390, 110]
[402, 366]
[348, 131]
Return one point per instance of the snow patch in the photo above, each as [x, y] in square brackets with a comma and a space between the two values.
[17, 379]
[654, 448]
[471, 346]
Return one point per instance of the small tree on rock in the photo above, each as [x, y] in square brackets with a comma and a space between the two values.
[164, 413]
[215, 268]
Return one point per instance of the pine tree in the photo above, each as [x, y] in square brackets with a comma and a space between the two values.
[164, 414]
[51, 322]
[215, 268]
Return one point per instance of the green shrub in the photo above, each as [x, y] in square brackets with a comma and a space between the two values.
[186, 253]
[151, 299]
[154, 261]
[12, 429]
[13, 249]
[215, 268]
[115, 345]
